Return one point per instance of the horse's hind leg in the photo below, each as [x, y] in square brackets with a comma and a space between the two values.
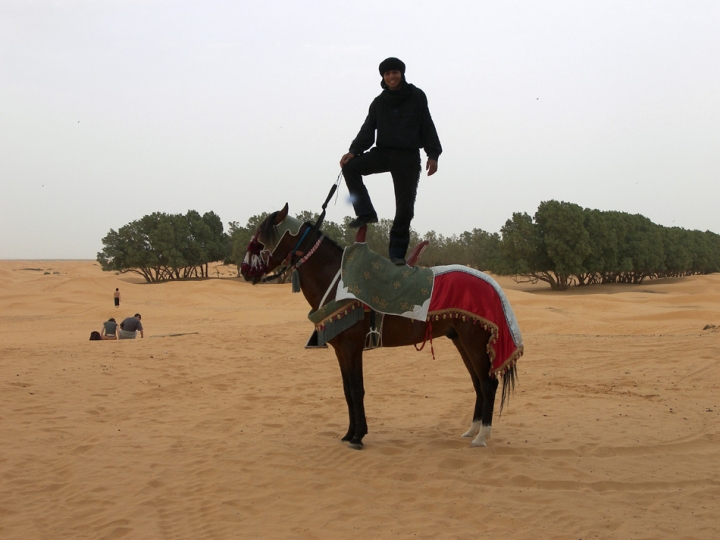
[477, 412]
[489, 388]
[472, 345]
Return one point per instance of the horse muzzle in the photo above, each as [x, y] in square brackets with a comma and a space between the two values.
[255, 265]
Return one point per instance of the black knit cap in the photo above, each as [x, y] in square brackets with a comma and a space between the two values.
[390, 64]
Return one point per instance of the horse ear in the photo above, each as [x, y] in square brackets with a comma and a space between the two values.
[282, 214]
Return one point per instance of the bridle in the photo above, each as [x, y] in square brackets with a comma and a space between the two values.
[257, 258]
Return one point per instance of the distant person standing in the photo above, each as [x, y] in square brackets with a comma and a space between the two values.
[130, 327]
[398, 124]
[116, 296]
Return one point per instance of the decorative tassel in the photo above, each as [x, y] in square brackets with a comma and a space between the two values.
[295, 279]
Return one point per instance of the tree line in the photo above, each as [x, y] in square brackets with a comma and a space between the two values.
[563, 245]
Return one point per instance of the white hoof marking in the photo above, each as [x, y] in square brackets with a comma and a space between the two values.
[482, 437]
[474, 429]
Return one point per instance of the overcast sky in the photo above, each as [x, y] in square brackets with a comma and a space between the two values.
[114, 109]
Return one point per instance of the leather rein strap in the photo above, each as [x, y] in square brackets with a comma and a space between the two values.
[309, 236]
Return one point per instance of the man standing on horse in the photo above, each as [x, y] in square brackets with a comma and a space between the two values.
[403, 123]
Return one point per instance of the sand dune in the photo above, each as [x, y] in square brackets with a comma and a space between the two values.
[232, 429]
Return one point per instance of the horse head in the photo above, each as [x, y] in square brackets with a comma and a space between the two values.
[272, 246]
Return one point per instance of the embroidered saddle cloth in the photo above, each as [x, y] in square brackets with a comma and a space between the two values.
[384, 287]
[463, 292]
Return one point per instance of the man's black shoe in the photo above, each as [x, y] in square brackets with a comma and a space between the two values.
[362, 220]
[398, 261]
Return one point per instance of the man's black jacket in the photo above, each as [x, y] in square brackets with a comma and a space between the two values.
[402, 121]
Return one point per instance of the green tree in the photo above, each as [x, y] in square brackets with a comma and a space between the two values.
[128, 250]
[602, 262]
[523, 253]
[677, 249]
[481, 249]
[162, 246]
[705, 250]
[567, 243]
[643, 247]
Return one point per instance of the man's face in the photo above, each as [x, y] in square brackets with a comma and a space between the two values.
[392, 79]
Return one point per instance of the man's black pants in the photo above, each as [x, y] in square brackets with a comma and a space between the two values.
[404, 166]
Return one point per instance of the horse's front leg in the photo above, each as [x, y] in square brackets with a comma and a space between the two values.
[348, 397]
[350, 361]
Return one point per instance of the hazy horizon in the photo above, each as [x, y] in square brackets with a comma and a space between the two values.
[114, 110]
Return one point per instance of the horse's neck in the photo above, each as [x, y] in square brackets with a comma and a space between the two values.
[317, 274]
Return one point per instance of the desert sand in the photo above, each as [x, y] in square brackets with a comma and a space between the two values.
[220, 424]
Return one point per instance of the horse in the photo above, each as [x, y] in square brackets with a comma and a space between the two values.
[317, 263]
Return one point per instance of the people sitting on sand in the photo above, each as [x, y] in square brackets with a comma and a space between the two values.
[131, 326]
[109, 329]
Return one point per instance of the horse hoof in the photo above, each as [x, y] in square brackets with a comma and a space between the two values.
[474, 429]
[478, 444]
[355, 446]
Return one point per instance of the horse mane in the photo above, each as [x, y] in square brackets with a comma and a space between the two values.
[333, 243]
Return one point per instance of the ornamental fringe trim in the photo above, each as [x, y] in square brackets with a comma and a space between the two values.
[339, 321]
[490, 327]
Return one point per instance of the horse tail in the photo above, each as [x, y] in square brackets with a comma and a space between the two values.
[508, 385]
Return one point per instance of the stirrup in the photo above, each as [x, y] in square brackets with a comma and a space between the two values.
[373, 340]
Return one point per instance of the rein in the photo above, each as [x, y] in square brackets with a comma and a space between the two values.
[294, 250]
[316, 227]
[309, 234]
[309, 253]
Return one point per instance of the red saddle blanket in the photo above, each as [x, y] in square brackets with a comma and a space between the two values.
[459, 291]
